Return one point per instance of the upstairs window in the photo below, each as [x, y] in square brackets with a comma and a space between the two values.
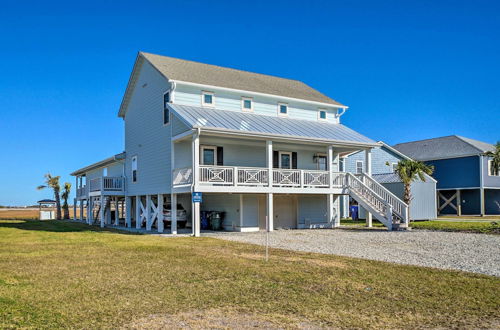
[166, 111]
[134, 169]
[282, 109]
[322, 114]
[491, 171]
[359, 167]
[207, 99]
[394, 167]
[246, 104]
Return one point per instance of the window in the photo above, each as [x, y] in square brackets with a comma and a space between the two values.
[166, 111]
[491, 171]
[322, 163]
[134, 169]
[208, 155]
[285, 160]
[359, 167]
[105, 171]
[322, 114]
[208, 99]
[394, 167]
[282, 109]
[246, 104]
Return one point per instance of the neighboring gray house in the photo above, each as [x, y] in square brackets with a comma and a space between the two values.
[384, 161]
[264, 150]
[466, 183]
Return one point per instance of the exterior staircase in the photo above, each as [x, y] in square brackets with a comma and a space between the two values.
[376, 199]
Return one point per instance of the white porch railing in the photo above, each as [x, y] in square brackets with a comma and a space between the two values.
[259, 176]
[82, 191]
[107, 183]
[182, 176]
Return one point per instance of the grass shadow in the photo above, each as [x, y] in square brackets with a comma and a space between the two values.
[58, 226]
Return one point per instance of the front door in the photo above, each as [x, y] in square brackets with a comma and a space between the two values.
[285, 160]
[285, 212]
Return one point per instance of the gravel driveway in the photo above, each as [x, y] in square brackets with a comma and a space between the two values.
[478, 253]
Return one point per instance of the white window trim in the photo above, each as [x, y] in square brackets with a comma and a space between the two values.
[285, 153]
[362, 166]
[132, 169]
[490, 169]
[287, 109]
[211, 105]
[163, 109]
[319, 114]
[202, 149]
[393, 166]
[243, 99]
[104, 171]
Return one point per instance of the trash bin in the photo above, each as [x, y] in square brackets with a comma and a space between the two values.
[216, 219]
[204, 220]
[354, 212]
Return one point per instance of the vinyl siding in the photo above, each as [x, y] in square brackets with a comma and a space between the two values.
[313, 208]
[189, 95]
[250, 211]
[380, 156]
[183, 155]
[423, 205]
[489, 180]
[492, 201]
[456, 172]
[228, 203]
[178, 126]
[146, 137]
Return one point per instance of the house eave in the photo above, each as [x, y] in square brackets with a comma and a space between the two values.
[110, 160]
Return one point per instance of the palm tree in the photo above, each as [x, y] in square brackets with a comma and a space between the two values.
[53, 183]
[65, 196]
[410, 170]
[495, 162]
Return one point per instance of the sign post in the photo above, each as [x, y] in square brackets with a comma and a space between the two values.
[197, 199]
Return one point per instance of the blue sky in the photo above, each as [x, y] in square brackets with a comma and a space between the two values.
[407, 70]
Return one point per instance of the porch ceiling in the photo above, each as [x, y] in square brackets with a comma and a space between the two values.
[232, 122]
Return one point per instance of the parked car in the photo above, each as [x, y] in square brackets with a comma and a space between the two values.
[181, 215]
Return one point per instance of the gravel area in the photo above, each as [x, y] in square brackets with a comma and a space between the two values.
[477, 253]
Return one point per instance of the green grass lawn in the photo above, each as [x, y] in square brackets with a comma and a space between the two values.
[471, 227]
[69, 275]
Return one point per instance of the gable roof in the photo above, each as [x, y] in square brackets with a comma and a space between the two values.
[250, 124]
[104, 162]
[212, 75]
[394, 178]
[452, 146]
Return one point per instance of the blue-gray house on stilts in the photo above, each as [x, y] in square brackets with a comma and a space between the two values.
[466, 183]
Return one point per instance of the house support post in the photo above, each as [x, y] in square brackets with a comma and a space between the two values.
[159, 213]
[173, 214]
[195, 221]
[270, 213]
[459, 203]
[101, 211]
[81, 209]
[128, 209]
[481, 201]
[333, 215]
[368, 171]
[90, 211]
[149, 219]
[117, 211]
[138, 219]
[74, 208]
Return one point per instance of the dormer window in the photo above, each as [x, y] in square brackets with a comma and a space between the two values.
[322, 114]
[282, 109]
[246, 104]
[207, 99]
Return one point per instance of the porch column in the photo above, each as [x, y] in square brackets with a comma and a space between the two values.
[482, 169]
[173, 214]
[90, 206]
[459, 203]
[270, 213]
[101, 211]
[196, 160]
[329, 164]
[148, 212]
[128, 209]
[117, 211]
[160, 213]
[81, 209]
[74, 208]
[269, 161]
[107, 210]
[138, 220]
[368, 171]
[196, 219]
[481, 200]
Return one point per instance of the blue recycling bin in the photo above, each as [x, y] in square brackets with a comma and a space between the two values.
[204, 219]
[354, 212]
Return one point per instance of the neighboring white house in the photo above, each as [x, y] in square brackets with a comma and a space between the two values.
[264, 150]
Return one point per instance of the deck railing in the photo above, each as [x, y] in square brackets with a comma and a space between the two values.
[82, 191]
[107, 183]
[259, 176]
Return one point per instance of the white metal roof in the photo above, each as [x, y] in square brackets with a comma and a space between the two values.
[254, 124]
